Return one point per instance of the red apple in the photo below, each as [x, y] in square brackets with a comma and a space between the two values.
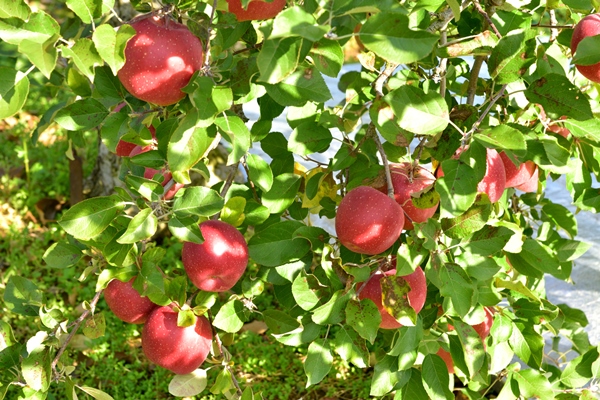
[516, 176]
[257, 9]
[494, 180]
[406, 189]
[447, 359]
[483, 329]
[368, 221]
[126, 303]
[180, 350]
[218, 263]
[160, 60]
[588, 26]
[416, 296]
[532, 184]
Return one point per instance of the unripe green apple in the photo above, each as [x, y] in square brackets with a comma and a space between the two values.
[160, 60]
[218, 263]
[368, 221]
[416, 296]
[180, 350]
[126, 302]
[257, 9]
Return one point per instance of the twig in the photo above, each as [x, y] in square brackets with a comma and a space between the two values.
[485, 15]
[252, 187]
[222, 353]
[552, 26]
[472, 89]
[372, 132]
[383, 77]
[208, 32]
[76, 326]
[493, 101]
[444, 18]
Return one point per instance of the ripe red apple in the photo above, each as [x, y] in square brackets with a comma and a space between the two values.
[180, 350]
[447, 359]
[368, 221]
[588, 26]
[483, 329]
[126, 303]
[416, 296]
[405, 190]
[494, 180]
[257, 9]
[218, 263]
[160, 60]
[124, 148]
[532, 184]
[516, 176]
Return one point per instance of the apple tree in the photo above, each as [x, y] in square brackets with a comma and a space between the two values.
[454, 117]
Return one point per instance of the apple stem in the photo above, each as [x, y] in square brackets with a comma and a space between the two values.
[372, 132]
[76, 324]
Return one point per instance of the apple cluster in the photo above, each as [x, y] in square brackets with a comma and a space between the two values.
[161, 58]
[214, 266]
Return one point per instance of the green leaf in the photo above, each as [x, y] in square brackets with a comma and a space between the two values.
[150, 281]
[107, 86]
[276, 245]
[418, 112]
[328, 57]
[86, 10]
[236, 133]
[294, 21]
[351, 347]
[561, 217]
[198, 200]
[332, 312]
[84, 55]
[260, 172]
[36, 369]
[533, 384]
[62, 255]
[457, 188]
[307, 290]
[472, 347]
[305, 84]
[82, 115]
[141, 227]
[185, 317]
[436, 380]
[458, 286]
[209, 99]
[309, 137]
[278, 59]
[188, 145]
[22, 296]
[527, 344]
[386, 376]
[489, 240]
[124, 274]
[364, 317]
[318, 361]
[503, 137]
[18, 9]
[559, 97]
[471, 221]
[223, 383]
[95, 327]
[111, 44]
[280, 322]
[388, 35]
[578, 371]
[406, 344]
[230, 317]
[14, 88]
[188, 385]
[511, 57]
[95, 393]
[87, 219]
[186, 229]
[535, 259]
[283, 193]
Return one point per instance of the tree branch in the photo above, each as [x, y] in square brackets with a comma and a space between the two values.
[372, 132]
[472, 89]
[76, 326]
[383, 77]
